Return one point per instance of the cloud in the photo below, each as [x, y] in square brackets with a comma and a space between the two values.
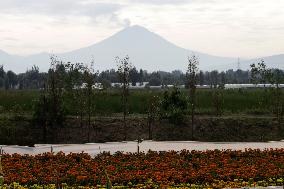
[162, 2]
[127, 22]
[4, 31]
[55, 7]
[60, 9]
[10, 39]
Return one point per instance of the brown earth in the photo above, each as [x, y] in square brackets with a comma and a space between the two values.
[238, 128]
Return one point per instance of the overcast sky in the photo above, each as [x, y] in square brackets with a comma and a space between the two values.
[233, 28]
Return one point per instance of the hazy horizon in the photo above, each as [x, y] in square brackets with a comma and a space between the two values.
[226, 28]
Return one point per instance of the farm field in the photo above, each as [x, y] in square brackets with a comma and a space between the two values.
[236, 101]
[172, 169]
[246, 115]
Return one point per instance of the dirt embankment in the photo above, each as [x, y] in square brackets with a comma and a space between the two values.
[221, 129]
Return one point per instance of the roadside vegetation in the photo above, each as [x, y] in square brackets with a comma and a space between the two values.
[183, 169]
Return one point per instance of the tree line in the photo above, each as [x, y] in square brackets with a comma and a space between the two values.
[34, 79]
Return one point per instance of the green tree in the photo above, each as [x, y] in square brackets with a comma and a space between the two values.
[260, 73]
[89, 76]
[73, 86]
[11, 79]
[155, 79]
[191, 74]
[32, 79]
[174, 106]
[276, 77]
[201, 78]
[214, 78]
[134, 76]
[141, 76]
[153, 113]
[124, 67]
[50, 110]
[218, 94]
[2, 76]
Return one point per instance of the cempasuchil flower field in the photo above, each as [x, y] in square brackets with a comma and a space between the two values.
[182, 169]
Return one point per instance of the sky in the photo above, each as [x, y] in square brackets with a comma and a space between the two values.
[230, 28]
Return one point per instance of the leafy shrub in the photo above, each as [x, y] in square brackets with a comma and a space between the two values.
[174, 106]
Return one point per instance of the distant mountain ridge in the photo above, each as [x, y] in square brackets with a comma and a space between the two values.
[146, 50]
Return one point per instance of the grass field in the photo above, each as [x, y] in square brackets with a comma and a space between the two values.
[251, 101]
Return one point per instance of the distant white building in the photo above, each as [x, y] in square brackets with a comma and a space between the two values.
[238, 86]
[138, 85]
[97, 86]
[227, 86]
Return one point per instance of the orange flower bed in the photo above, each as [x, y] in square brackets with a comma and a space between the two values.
[161, 168]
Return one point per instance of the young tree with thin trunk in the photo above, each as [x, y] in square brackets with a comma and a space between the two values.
[124, 67]
[218, 86]
[259, 73]
[73, 83]
[153, 113]
[89, 76]
[275, 77]
[55, 90]
[50, 110]
[191, 74]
